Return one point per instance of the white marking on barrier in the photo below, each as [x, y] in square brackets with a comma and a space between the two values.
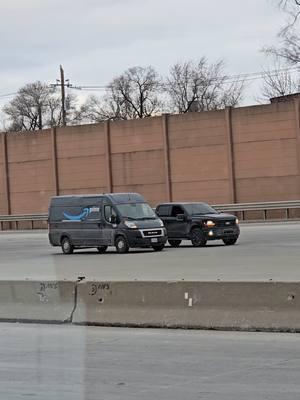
[186, 295]
[190, 302]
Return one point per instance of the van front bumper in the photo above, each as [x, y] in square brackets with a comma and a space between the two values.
[135, 238]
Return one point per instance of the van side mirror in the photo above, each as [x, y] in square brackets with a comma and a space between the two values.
[180, 217]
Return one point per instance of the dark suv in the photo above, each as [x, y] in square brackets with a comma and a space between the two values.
[197, 222]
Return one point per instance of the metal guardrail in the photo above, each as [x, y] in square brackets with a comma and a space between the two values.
[263, 206]
[238, 207]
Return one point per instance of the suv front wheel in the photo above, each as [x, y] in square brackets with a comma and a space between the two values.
[197, 238]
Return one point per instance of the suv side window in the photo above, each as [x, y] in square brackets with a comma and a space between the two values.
[177, 210]
[164, 211]
[109, 212]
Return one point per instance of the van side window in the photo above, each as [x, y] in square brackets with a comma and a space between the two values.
[108, 212]
[164, 211]
[177, 210]
[94, 213]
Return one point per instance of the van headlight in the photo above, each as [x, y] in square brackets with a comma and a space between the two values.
[130, 225]
[237, 221]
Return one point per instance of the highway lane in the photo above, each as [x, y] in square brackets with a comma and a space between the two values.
[264, 252]
[86, 363]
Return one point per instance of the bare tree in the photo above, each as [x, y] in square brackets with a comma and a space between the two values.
[279, 82]
[134, 94]
[289, 38]
[37, 106]
[201, 83]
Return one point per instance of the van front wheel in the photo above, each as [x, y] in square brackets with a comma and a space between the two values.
[121, 245]
[67, 246]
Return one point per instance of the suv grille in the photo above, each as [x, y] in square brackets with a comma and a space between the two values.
[225, 224]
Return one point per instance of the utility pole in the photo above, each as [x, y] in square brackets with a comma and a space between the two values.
[62, 82]
[63, 101]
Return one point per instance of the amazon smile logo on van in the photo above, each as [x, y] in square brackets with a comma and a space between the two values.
[80, 217]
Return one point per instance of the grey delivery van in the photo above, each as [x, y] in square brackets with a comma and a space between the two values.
[123, 220]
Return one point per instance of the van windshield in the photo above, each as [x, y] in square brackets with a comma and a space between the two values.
[136, 211]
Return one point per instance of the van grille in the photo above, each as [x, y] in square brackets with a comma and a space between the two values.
[152, 232]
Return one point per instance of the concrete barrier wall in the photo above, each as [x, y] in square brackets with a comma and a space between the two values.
[203, 305]
[41, 301]
[208, 305]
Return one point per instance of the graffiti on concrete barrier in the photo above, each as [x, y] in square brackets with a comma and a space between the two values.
[96, 287]
[44, 287]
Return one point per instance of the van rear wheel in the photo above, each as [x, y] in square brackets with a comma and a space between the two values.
[102, 249]
[121, 245]
[66, 246]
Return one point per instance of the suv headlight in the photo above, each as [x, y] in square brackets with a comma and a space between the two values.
[210, 224]
[237, 221]
[130, 225]
[160, 222]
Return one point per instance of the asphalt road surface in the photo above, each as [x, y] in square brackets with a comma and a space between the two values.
[264, 252]
[70, 362]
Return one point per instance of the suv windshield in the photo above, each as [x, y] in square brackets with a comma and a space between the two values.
[136, 211]
[199, 208]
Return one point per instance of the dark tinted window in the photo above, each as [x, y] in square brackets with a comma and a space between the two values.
[199, 208]
[177, 210]
[164, 211]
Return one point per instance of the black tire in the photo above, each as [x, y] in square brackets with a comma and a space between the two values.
[230, 242]
[102, 249]
[158, 247]
[121, 245]
[174, 242]
[197, 238]
[66, 245]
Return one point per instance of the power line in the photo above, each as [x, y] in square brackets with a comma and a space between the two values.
[239, 78]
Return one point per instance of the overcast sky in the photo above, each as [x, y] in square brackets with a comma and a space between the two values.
[96, 40]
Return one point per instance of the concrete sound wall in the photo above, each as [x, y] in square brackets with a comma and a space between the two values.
[234, 155]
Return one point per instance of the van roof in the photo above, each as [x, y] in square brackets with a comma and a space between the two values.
[115, 198]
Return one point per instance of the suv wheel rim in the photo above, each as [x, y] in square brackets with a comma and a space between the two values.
[196, 236]
[121, 244]
[66, 245]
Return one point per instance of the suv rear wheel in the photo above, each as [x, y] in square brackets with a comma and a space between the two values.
[174, 242]
[197, 238]
[67, 246]
[158, 247]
